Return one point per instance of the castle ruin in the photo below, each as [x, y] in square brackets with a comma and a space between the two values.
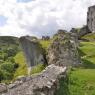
[33, 51]
[91, 18]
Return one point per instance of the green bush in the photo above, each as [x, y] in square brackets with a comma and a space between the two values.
[7, 71]
[10, 52]
[8, 67]
[7, 75]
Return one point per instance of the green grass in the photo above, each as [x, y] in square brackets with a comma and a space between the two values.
[45, 43]
[90, 37]
[88, 48]
[81, 81]
[38, 68]
[22, 69]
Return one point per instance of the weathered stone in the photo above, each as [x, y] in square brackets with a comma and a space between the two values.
[81, 32]
[3, 88]
[64, 49]
[91, 18]
[33, 51]
[45, 37]
[45, 83]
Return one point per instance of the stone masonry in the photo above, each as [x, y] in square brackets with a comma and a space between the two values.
[91, 18]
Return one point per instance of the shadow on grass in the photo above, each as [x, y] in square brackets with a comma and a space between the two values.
[64, 89]
[88, 64]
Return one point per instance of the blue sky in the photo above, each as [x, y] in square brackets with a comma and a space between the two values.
[41, 17]
[3, 20]
[25, 1]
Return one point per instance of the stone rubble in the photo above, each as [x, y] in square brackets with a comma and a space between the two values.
[45, 83]
[64, 49]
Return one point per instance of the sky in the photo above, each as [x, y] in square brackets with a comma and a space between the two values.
[41, 17]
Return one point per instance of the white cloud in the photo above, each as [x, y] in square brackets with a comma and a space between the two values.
[40, 17]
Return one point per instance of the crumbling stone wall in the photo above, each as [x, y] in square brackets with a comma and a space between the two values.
[91, 18]
[33, 51]
[45, 83]
[64, 49]
[62, 52]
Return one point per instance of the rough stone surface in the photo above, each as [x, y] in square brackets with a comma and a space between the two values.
[83, 31]
[3, 88]
[64, 49]
[45, 83]
[62, 52]
[91, 18]
[33, 51]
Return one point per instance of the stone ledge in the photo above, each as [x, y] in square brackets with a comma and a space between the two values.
[45, 83]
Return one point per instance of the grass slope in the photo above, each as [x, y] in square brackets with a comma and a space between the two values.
[90, 37]
[22, 69]
[81, 81]
[8, 41]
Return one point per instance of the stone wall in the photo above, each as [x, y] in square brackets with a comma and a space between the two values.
[62, 52]
[33, 51]
[91, 18]
[64, 49]
[83, 31]
[45, 83]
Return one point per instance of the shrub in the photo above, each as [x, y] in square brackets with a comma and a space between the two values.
[1, 75]
[8, 67]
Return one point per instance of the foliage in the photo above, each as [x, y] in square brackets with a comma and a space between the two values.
[11, 52]
[9, 46]
[63, 90]
[7, 70]
[1, 75]
[37, 69]
[45, 44]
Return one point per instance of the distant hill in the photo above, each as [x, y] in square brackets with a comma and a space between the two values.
[8, 40]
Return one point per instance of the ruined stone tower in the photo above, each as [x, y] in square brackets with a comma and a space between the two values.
[91, 18]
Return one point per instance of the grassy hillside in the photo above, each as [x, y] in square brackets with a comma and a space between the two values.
[81, 80]
[8, 41]
[90, 37]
